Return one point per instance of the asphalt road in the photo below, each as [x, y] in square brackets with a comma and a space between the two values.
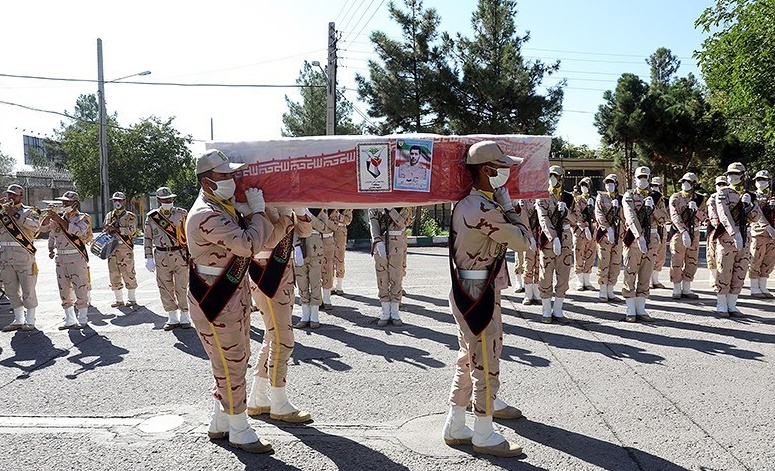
[690, 391]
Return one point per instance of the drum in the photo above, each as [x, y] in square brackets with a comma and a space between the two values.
[104, 245]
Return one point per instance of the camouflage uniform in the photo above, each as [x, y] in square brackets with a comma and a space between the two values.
[309, 274]
[342, 218]
[609, 252]
[388, 227]
[663, 230]
[713, 224]
[526, 210]
[763, 239]
[686, 221]
[121, 264]
[584, 244]
[327, 264]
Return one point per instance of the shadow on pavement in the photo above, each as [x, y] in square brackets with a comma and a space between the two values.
[255, 461]
[324, 359]
[97, 317]
[597, 452]
[95, 347]
[31, 351]
[137, 315]
[189, 342]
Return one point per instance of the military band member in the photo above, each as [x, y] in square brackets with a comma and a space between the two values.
[309, 269]
[222, 243]
[736, 210]
[643, 211]
[121, 264]
[555, 216]
[687, 211]
[388, 247]
[272, 288]
[68, 233]
[763, 237]
[713, 233]
[526, 210]
[663, 231]
[18, 269]
[483, 226]
[342, 218]
[583, 242]
[608, 215]
[166, 252]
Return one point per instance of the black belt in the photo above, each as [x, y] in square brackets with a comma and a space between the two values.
[169, 249]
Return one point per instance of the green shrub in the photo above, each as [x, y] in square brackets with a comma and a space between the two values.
[429, 227]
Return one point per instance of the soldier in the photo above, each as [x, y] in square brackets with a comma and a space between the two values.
[609, 237]
[483, 226]
[18, 269]
[736, 211]
[583, 243]
[165, 231]
[687, 211]
[342, 218]
[222, 244]
[763, 238]
[68, 233]
[121, 264]
[273, 292]
[712, 234]
[526, 210]
[555, 215]
[388, 247]
[327, 264]
[663, 231]
[643, 211]
[519, 256]
[309, 266]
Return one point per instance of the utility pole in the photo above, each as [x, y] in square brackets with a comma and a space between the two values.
[104, 186]
[331, 87]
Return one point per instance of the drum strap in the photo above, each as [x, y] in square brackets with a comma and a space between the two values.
[18, 235]
[212, 299]
[170, 229]
[76, 241]
[268, 278]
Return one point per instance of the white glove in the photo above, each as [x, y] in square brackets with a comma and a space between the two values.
[501, 196]
[591, 202]
[738, 241]
[242, 208]
[298, 257]
[746, 199]
[610, 234]
[615, 203]
[642, 245]
[150, 264]
[693, 205]
[522, 203]
[255, 199]
[648, 202]
[557, 246]
[686, 239]
[533, 245]
[381, 249]
[771, 232]
[561, 206]
[587, 233]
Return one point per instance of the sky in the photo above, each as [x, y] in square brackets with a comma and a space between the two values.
[266, 42]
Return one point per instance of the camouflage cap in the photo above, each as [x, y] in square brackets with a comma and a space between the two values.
[585, 180]
[611, 177]
[736, 167]
[760, 175]
[68, 196]
[216, 161]
[165, 192]
[484, 152]
[119, 195]
[555, 170]
[642, 171]
[722, 179]
[689, 177]
[656, 181]
[15, 189]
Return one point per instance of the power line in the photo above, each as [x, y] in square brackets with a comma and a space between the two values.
[167, 84]
[353, 15]
[369, 20]
[342, 9]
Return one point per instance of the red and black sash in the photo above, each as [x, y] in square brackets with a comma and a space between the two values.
[127, 240]
[76, 241]
[476, 312]
[170, 229]
[212, 299]
[268, 278]
[18, 235]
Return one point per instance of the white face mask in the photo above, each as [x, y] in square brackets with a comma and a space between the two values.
[117, 205]
[499, 180]
[686, 186]
[610, 187]
[553, 181]
[734, 179]
[225, 189]
[762, 184]
[166, 206]
[584, 190]
[643, 183]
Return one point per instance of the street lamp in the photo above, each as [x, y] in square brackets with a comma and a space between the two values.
[104, 182]
[330, 100]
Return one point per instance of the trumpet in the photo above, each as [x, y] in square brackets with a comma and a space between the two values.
[54, 206]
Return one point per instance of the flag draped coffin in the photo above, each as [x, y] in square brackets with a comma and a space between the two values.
[378, 171]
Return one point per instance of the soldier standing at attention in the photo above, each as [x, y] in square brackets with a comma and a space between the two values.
[483, 226]
[583, 242]
[520, 261]
[763, 235]
[388, 247]
[327, 265]
[68, 233]
[555, 215]
[713, 232]
[342, 218]
[736, 211]
[308, 257]
[643, 211]
[121, 265]
[526, 210]
[687, 211]
[663, 231]
[608, 208]
[222, 243]
[18, 269]
[165, 231]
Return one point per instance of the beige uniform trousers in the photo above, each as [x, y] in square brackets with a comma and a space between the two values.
[710, 252]
[659, 262]
[340, 247]
[531, 267]
[73, 280]
[762, 256]
[609, 261]
[227, 343]
[519, 263]
[584, 251]
[172, 279]
[477, 371]
[309, 276]
[121, 266]
[390, 271]
[278, 342]
[732, 265]
[327, 264]
[555, 269]
[19, 274]
[684, 260]
[638, 268]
